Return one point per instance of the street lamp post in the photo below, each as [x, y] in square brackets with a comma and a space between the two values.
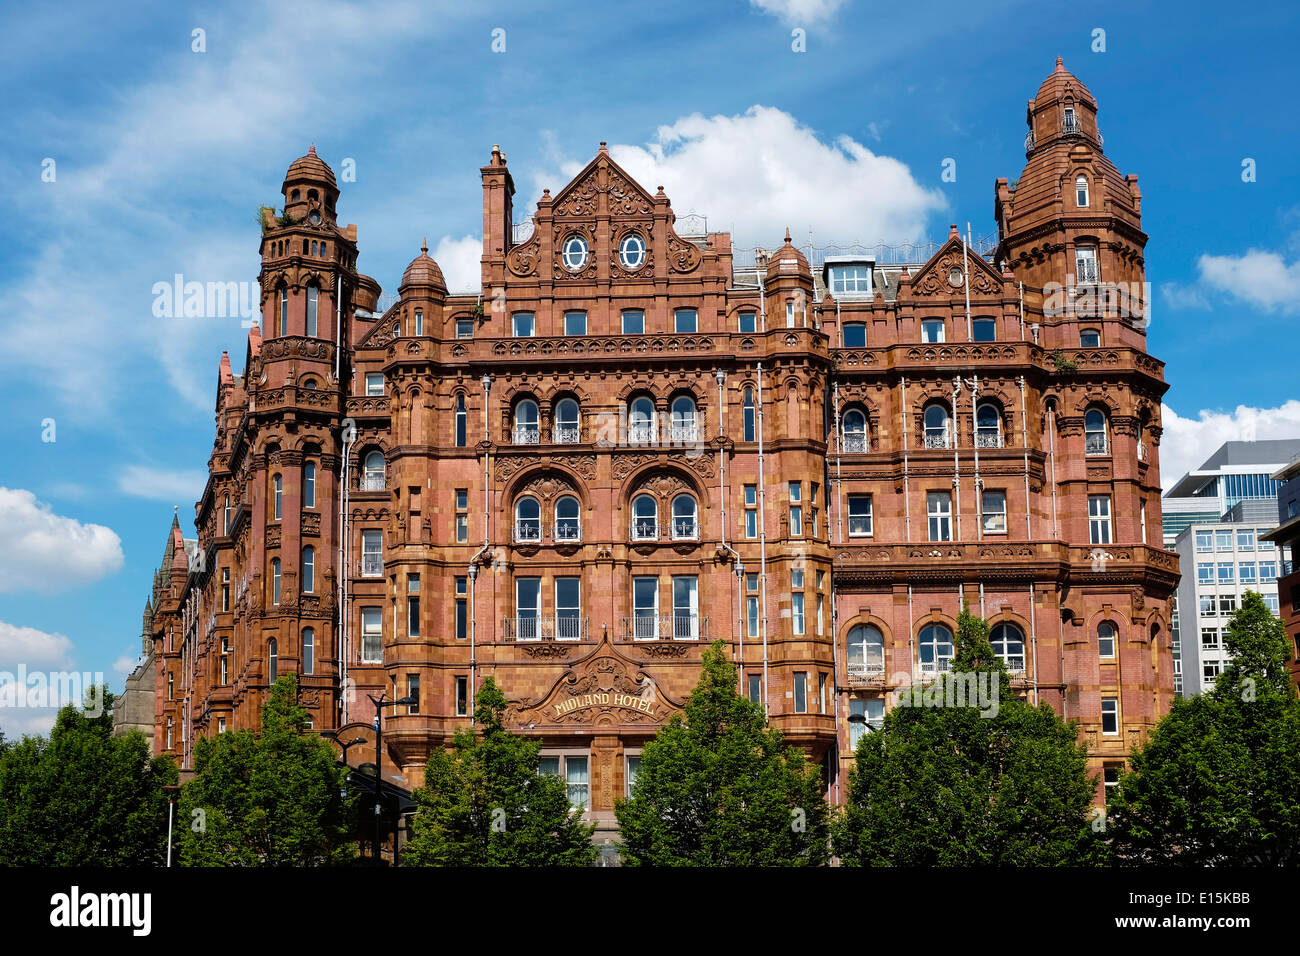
[380, 704]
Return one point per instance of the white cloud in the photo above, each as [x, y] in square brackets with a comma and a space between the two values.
[124, 665]
[45, 552]
[1183, 297]
[461, 262]
[21, 722]
[36, 649]
[1187, 442]
[174, 486]
[799, 12]
[757, 173]
[1261, 278]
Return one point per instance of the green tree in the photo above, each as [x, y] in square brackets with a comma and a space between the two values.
[273, 798]
[83, 797]
[1217, 783]
[486, 804]
[1003, 785]
[720, 788]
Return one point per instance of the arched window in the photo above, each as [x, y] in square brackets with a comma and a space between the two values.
[284, 310]
[277, 491]
[308, 650]
[935, 648]
[1106, 640]
[855, 431]
[462, 420]
[526, 423]
[683, 421]
[309, 485]
[936, 426]
[749, 413]
[684, 523]
[272, 660]
[313, 299]
[275, 580]
[1009, 645]
[866, 652]
[374, 479]
[567, 431]
[568, 524]
[1081, 191]
[308, 570]
[645, 518]
[1094, 432]
[988, 426]
[641, 421]
[528, 519]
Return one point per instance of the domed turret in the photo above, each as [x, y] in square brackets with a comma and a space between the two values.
[309, 189]
[423, 272]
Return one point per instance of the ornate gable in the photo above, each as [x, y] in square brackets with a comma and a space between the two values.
[935, 277]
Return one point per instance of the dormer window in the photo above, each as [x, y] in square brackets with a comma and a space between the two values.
[849, 279]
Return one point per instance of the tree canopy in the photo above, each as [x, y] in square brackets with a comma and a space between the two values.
[486, 804]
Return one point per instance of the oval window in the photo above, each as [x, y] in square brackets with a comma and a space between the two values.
[631, 251]
[575, 253]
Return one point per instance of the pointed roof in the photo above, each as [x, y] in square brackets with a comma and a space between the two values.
[310, 166]
[1060, 82]
[423, 271]
[935, 277]
[583, 188]
[789, 253]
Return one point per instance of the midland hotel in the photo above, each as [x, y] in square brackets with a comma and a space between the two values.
[634, 439]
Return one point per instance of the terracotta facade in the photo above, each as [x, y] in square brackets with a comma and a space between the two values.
[575, 480]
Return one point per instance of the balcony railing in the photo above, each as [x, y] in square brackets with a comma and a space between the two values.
[643, 529]
[660, 627]
[942, 666]
[932, 440]
[855, 442]
[566, 435]
[560, 627]
[641, 434]
[1095, 444]
[528, 531]
[686, 529]
[1142, 451]
[567, 530]
[1015, 663]
[527, 435]
[683, 433]
[859, 670]
[372, 565]
[373, 481]
[988, 439]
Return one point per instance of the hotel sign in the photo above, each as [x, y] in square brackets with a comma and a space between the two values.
[606, 699]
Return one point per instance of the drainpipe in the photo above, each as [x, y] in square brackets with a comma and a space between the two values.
[762, 536]
[965, 284]
[1022, 311]
[487, 540]
[1024, 440]
[349, 436]
[839, 472]
[722, 498]
[979, 482]
[956, 468]
[1051, 453]
[1033, 639]
[338, 321]
[907, 495]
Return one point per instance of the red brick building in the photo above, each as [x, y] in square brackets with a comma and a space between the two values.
[636, 440]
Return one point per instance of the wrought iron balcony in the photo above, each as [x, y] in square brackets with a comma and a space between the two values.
[566, 435]
[942, 666]
[855, 443]
[870, 670]
[1095, 444]
[560, 627]
[568, 530]
[641, 434]
[643, 529]
[933, 440]
[372, 565]
[989, 439]
[528, 531]
[686, 529]
[527, 435]
[1142, 451]
[659, 627]
[374, 481]
[683, 433]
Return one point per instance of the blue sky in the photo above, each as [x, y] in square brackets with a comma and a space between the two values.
[162, 153]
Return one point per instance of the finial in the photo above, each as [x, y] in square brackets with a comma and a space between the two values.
[602, 147]
[311, 151]
[787, 235]
[1060, 63]
[425, 248]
